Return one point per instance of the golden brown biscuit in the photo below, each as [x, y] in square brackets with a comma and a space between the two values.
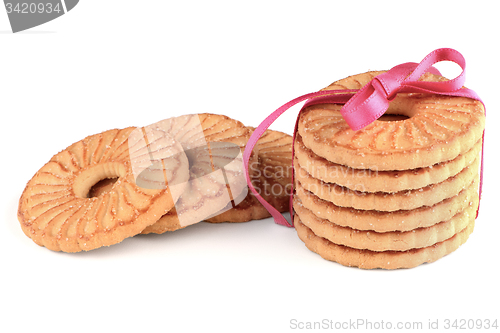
[437, 128]
[386, 241]
[381, 181]
[55, 210]
[367, 259]
[379, 221]
[403, 200]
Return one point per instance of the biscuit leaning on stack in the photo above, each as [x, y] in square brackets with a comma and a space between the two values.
[270, 173]
[271, 177]
[220, 136]
[398, 193]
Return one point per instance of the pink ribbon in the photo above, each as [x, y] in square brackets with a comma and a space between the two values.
[362, 107]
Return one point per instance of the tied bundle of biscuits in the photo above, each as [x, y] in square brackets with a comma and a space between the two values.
[398, 193]
[153, 179]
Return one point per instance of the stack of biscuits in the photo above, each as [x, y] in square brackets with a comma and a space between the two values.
[398, 193]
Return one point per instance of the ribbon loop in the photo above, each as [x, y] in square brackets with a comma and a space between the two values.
[444, 54]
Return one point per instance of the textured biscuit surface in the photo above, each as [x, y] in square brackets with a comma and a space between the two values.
[380, 221]
[55, 209]
[386, 241]
[402, 200]
[438, 128]
[367, 259]
[381, 181]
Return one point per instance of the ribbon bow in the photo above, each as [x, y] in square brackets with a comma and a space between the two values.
[371, 102]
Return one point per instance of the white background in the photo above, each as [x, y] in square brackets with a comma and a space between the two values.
[111, 64]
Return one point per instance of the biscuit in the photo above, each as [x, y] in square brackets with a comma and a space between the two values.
[367, 259]
[380, 181]
[221, 141]
[271, 177]
[56, 211]
[379, 221]
[403, 200]
[437, 128]
[386, 241]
